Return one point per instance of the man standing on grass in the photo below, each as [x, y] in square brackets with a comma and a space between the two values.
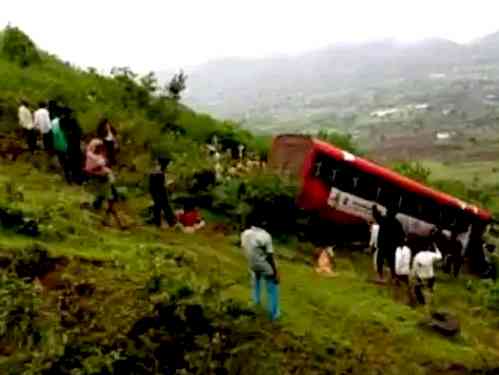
[26, 122]
[257, 245]
[43, 124]
[391, 235]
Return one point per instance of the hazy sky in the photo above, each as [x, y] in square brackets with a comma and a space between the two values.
[162, 34]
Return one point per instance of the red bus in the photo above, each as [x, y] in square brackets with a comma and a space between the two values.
[343, 188]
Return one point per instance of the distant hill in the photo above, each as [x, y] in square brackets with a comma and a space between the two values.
[330, 80]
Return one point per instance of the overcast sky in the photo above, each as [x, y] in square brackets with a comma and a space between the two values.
[164, 34]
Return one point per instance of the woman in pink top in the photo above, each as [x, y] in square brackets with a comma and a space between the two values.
[102, 179]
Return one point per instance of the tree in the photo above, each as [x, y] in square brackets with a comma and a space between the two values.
[149, 82]
[176, 86]
[19, 48]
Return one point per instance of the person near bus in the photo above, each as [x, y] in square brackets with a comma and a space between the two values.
[454, 258]
[423, 273]
[391, 235]
[257, 246]
[26, 122]
[403, 257]
[102, 179]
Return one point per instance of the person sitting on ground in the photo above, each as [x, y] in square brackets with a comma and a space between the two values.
[391, 235]
[190, 218]
[423, 273]
[102, 177]
[108, 134]
[257, 246]
[159, 193]
[26, 122]
[325, 261]
[41, 122]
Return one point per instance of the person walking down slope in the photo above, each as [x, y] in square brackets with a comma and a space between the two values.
[390, 236]
[423, 273]
[26, 122]
[102, 177]
[44, 126]
[257, 246]
[159, 193]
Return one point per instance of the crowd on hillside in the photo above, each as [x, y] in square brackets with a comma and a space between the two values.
[92, 163]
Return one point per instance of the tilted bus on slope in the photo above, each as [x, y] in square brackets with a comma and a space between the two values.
[342, 188]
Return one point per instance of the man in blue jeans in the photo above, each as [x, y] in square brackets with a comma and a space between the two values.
[257, 245]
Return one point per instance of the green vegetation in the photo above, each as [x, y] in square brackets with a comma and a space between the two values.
[102, 282]
[78, 298]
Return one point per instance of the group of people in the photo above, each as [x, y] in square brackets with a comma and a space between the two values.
[415, 269]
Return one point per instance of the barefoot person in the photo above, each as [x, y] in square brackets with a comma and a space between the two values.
[257, 246]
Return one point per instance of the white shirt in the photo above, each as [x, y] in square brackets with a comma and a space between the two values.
[403, 260]
[422, 266]
[25, 118]
[373, 241]
[42, 120]
[257, 246]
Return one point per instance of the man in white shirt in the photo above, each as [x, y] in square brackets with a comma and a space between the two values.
[423, 272]
[26, 122]
[403, 256]
[43, 124]
[257, 246]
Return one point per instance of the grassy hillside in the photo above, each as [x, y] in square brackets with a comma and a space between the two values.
[345, 324]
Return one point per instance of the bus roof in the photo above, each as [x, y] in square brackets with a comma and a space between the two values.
[398, 180]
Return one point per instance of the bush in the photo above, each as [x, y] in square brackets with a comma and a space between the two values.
[415, 171]
[343, 141]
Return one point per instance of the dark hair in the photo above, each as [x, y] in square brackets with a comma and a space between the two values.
[102, 127]
[42, 104]
[24, 102]
[189, 205]
[163, 161]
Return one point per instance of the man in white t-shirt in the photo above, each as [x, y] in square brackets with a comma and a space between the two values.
[424, 273]
[26, 122]
[43, 124]
[257, 246]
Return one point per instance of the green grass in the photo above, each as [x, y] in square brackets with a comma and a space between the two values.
[347, 310]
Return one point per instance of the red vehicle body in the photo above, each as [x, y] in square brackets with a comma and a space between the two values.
[342, 188]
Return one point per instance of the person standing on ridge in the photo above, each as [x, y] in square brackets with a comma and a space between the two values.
[60, 144]
[257, 246]
[26, 122]
[159, 193]
[44, 126]
[391, 235]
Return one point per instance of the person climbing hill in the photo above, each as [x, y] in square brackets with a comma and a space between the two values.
[102, 178]
[108, 135]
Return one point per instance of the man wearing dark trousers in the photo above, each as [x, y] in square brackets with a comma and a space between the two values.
[391, 235]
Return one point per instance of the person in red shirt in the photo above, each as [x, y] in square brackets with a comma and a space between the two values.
[190, 218]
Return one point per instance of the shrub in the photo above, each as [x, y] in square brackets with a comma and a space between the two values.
[343, 141]
[416, 171]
